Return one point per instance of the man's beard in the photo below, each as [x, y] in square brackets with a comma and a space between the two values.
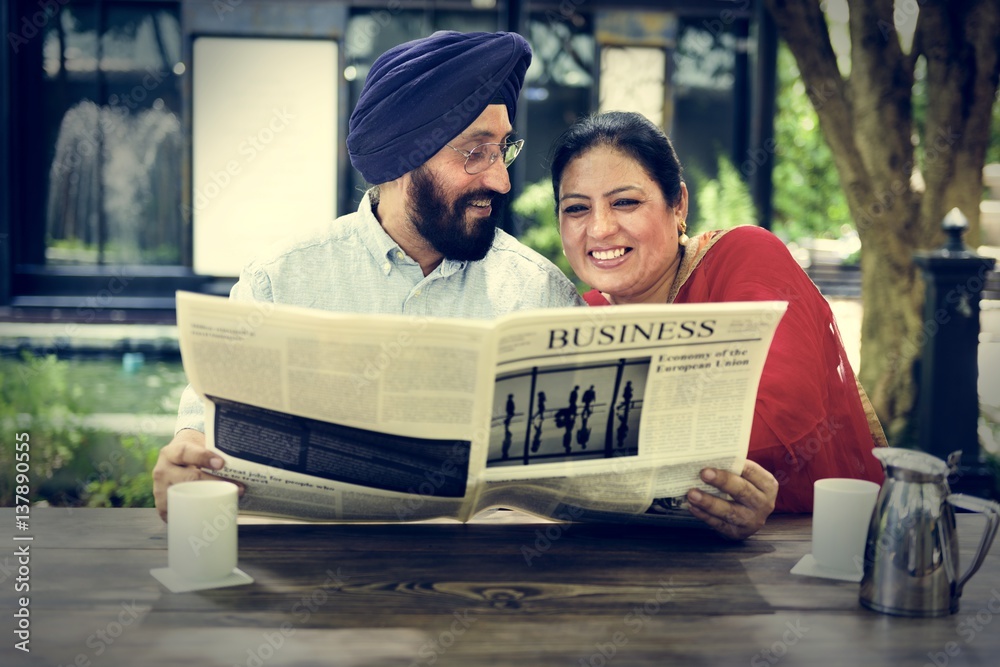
[445, 227]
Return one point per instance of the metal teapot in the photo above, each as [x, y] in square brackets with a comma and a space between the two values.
[911, 554]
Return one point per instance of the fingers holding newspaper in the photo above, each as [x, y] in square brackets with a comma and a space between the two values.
[182, 460]
[753, 497]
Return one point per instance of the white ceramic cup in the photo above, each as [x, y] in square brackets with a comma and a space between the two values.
[842, 510]
[201, 529]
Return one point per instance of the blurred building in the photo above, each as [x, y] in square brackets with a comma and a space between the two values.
[150, 146]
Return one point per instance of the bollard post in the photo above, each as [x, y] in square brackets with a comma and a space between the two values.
[948, 397]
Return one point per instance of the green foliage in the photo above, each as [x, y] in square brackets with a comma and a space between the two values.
[724, 202]
[808, 200]
[989, 436]
[536, 207]
[71, 463]
[38, 398]
[993, 150]
[125, 478]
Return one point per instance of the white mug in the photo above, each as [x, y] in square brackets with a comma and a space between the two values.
[202, 529]
[842, 510]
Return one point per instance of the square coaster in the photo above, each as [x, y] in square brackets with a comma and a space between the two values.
[807, 566]
[177, 584]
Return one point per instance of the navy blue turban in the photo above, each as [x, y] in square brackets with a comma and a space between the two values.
[420, 95]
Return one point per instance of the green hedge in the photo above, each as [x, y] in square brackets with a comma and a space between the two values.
[71, 463]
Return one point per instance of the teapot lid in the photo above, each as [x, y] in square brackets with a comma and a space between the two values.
[921, 463]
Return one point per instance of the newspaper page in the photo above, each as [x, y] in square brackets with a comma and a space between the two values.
[568, 413]
[611, 413]
[331, 416]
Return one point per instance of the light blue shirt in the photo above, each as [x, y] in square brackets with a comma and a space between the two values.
[352, 265]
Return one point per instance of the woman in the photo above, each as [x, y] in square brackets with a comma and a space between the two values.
[622, 205]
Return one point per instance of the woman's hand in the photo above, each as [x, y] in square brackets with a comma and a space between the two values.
[753, 496]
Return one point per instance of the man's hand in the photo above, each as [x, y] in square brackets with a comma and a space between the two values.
[753, 496]
[181, 461]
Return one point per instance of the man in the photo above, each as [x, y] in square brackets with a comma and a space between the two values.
[432, 130]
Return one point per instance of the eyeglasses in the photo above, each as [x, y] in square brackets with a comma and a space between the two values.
[482, 157]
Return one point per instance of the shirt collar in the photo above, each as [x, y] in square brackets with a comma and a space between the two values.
[379, 244]
[383, 248]
[450, 266]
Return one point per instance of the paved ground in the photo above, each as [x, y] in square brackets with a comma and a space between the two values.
[848, 313]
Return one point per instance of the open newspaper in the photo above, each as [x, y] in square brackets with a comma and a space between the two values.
[567, 413]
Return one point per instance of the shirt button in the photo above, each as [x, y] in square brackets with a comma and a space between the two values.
[416, 293]
[386, 266]
[399, 254]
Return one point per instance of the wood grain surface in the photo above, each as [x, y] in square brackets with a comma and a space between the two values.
[506, 589]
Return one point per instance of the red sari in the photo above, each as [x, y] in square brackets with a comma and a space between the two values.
[812, 419]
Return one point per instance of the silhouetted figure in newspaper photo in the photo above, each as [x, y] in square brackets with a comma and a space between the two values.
[623, 409]
[536, 442]
[507, 436]
[588, 402]
[432, 133]
[566, 420]
[583, 433]
[619, 193]
[569, 419]
[569, 422]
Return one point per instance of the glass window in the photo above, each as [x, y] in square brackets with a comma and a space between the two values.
[704, 75]
[557, 86]
[111, 133]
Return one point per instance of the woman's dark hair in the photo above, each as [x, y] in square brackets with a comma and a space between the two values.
[630, 133]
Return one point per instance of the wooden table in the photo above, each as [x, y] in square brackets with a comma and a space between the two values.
[451, 594]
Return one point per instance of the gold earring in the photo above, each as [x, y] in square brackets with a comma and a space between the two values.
[682, 237]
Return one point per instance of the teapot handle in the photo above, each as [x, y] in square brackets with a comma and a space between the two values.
[991, 512]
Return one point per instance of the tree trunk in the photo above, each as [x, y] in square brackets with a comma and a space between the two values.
[898, 198]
